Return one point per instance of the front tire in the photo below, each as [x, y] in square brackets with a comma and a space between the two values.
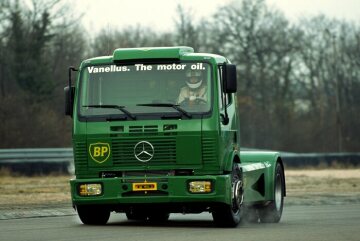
[93, 215]
[273, 212]
[226, 215]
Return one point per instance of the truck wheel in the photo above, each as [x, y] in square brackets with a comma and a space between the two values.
[93, 215]
[230, 215]
[272, 213]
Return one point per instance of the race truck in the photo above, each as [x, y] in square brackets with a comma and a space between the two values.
[156, 131]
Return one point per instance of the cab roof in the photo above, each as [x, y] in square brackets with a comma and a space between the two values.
[151, 53]
[125, 55]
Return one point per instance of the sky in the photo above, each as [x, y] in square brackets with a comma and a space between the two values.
[160, 14]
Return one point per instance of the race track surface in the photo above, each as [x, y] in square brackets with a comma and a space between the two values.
[320, 222]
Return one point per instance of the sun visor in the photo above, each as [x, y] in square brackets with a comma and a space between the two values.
[165, 53]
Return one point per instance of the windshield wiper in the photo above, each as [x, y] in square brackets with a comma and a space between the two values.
[119, 107]
[176, 107]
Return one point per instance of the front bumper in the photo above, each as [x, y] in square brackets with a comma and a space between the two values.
[170, 190]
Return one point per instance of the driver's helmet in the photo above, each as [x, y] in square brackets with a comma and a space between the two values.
[194, 75]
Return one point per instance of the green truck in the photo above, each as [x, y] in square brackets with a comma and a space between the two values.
[156, 131]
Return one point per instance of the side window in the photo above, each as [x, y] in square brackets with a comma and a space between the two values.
[224, 99]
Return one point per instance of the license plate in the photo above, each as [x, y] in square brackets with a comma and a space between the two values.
[145, 186]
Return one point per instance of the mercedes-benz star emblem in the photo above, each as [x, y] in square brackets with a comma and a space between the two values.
[144, 151]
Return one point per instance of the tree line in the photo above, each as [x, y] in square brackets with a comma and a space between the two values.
[299, 83]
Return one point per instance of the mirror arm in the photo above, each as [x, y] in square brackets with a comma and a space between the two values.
[225, 117]
[71, 68]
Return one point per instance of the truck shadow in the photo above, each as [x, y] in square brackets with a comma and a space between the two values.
[178, 223]
[170, 223]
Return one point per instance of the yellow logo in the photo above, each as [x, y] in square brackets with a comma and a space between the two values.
[99, 151]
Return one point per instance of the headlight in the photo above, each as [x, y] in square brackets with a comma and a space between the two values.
[200, 187]
[93, 189]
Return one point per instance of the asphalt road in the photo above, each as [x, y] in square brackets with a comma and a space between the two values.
[323, 223]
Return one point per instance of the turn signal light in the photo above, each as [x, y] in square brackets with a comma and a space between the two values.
[200, 187]
[93, 189]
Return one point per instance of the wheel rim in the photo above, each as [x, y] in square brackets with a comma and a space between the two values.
[238, 196]
[278, 192]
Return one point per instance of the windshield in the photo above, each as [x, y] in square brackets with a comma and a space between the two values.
[173, 89]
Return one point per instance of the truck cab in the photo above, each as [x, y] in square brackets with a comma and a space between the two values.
[156, 131]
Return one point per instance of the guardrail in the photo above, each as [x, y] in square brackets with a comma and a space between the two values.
[35, 161]
[337, 159]
[346, 159]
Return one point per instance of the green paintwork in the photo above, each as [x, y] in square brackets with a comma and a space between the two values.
[176, 191]
[151, 53]
[201, 144]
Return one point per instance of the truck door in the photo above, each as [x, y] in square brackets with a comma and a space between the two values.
[228, 132]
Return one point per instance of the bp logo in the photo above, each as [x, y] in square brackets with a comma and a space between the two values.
[99, 152]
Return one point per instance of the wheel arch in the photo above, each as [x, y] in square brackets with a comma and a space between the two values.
[233, 157]
[269, 159]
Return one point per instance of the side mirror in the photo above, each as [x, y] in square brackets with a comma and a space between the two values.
[230, 84]
[69, 100]
[69, 95]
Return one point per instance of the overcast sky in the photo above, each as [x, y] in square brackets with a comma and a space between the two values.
[159, 14]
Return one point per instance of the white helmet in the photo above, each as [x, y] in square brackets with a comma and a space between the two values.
[194, 73]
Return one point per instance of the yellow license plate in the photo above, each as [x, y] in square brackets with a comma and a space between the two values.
[145, 186]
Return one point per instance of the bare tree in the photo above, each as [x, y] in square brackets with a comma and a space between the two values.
[35, 50]
[109, 39]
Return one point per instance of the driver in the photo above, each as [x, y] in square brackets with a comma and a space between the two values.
[195, 89]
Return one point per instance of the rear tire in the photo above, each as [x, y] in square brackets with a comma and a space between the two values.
[93, 215]
[273, 212]
[226, 215]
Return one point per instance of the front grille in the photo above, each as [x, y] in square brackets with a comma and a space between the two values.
[164, 151]
[80, 155]
[143, 130]
[209, 150]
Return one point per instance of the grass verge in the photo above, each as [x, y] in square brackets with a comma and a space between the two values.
[303, 187]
